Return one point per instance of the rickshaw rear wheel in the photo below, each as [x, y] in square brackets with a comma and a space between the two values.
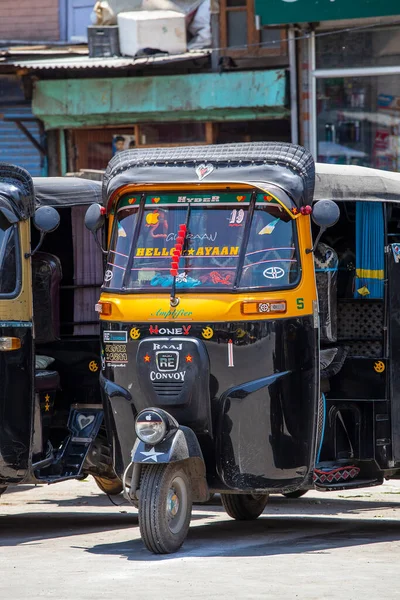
[244, 507]
[296, 494]
[165, 507]
[111, 487]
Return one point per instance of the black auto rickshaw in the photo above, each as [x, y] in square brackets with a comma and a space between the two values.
[243, 353]
[51, 423]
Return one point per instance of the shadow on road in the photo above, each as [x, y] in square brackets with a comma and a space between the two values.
[267, 536]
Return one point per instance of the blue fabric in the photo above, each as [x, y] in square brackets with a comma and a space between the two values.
[370, 247]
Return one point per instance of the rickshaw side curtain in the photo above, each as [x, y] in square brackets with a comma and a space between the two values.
[88, 270]
[370, 258]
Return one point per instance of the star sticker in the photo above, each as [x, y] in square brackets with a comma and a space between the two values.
[190, 251]
[189, 358]
[295, 211]
[151, 455]
[147, 358]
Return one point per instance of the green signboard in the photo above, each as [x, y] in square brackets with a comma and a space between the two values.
[276, 12]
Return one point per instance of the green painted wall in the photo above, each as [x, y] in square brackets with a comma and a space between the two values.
[274, 12]
[205, 96]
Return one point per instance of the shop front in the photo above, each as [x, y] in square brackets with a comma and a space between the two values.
[355, 97]
[97, 117]
[348, 77]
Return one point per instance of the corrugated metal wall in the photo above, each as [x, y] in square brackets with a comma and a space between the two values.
[15, 147]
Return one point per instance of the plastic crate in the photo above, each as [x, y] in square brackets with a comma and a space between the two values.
[103, 41]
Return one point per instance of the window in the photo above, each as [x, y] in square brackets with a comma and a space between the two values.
[213, 250]
[8, 261]
[240, 35]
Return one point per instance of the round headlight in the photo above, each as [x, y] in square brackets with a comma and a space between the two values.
[150, 427]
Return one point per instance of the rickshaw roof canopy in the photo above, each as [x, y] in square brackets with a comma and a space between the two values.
[288, 166]
[352, 183]
[66, 191]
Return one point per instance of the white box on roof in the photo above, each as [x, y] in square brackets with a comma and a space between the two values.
[160, 29]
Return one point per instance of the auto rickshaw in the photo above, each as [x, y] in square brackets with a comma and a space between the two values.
[249, 328]
[51, 424]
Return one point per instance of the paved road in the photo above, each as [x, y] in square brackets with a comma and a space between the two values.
[68, 542]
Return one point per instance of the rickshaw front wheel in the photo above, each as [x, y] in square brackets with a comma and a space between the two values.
[244, 507]
[165, 507]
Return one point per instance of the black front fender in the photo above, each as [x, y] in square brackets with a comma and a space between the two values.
[181, 445]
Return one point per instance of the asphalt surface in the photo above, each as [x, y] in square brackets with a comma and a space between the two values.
[68, 541]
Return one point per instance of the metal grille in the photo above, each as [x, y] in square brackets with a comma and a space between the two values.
[360, 320]
[365, 349]
[168, 389]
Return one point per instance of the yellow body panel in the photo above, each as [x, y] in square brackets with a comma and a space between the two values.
[21, 307]
[211, 307]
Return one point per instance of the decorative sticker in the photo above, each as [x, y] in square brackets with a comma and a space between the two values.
[116, 354]
[207, 332]
[176, 313]
[93, 366]
[236, 217]
[274, 273]
[230, 354]
[156, 330]
[268, 229]
[134, 333]
[203, 170]
[200, 251]
[379, 366]
[115, 337]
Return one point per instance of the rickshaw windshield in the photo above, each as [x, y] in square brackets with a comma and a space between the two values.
[234, 240]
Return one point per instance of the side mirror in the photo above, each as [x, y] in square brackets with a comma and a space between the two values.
[325, 214]
[46, 219]
[94, 218]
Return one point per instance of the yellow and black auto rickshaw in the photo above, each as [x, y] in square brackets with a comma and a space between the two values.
[51, 423]
[249, 328]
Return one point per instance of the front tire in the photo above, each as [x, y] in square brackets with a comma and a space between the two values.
[165, 508]
[244, 507]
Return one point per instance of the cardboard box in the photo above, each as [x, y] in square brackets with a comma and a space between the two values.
[163, 30]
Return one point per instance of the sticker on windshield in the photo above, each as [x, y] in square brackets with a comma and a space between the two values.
[236, 218]
[121, 230]
[274, 273]
[152, 218]
[269, 228]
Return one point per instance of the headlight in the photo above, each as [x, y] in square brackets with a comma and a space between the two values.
[150, 427]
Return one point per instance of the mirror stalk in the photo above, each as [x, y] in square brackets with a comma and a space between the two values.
[29, 254]
[94, 233]
[321, 231]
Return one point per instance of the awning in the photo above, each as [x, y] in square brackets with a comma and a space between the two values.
[277, 12]
[116, 62]
[72, 103]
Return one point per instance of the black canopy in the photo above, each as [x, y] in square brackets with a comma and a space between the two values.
[66, 191]
[287, 166]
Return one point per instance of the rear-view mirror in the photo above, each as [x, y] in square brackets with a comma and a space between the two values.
[94, 218]
[325, 213]
[46, 219]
